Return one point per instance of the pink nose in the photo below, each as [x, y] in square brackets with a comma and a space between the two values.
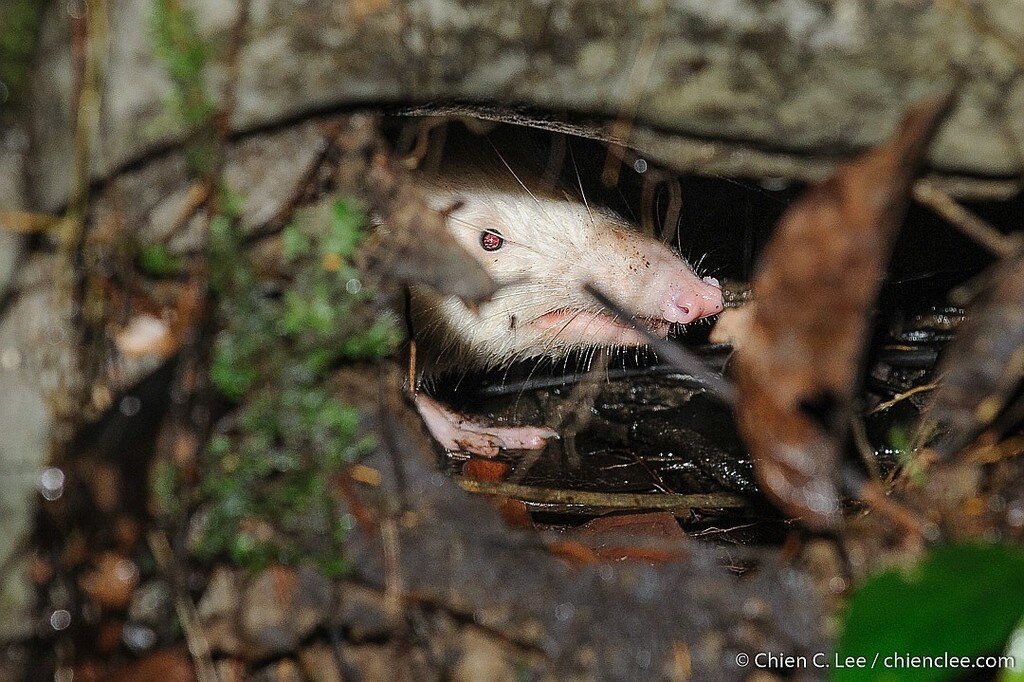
[691, 299]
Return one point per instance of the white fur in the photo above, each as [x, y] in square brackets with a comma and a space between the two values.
[552, 245]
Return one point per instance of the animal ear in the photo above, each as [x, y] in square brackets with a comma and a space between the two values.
[491, 240]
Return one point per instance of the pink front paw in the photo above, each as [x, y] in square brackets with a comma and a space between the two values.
[458, 433]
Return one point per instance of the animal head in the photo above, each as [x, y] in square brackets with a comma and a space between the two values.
[542, 248]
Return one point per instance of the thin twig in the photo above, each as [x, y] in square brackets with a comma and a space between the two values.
[656, 478]
[385, 412]
[715, 530]
[900, 397]
[392, 569]
[670, 352]
[581, 403]
[670, 228]
[194, 353]
[874, 494]
[196, 198]
[195, 637]
[1011, 447]
[867, 453]
[72, 284]
[675, 503]
[639, 74]
[971, 225]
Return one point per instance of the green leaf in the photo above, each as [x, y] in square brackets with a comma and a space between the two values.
[1015, 650]
[157, 260]
[963, 600]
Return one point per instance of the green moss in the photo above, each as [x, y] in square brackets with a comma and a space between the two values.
[267, 482]
[232, 369]
[185, 57]
[158, 261]
[266, 485]
[164, 486]
[294, 243]
[345, 231]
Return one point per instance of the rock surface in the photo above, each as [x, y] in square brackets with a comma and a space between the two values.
[34, 353]
[740, 87]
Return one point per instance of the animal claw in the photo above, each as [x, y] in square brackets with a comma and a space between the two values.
[458, 433]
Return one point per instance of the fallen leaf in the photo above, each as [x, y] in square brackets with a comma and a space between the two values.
[653, 537]
[817, 282]
[650, 524]
[574, 553]
[984, 364]
[21, 222]
[145, 335]
[490, 470]
[112, 580]
[514, 512]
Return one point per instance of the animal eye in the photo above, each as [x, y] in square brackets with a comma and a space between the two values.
[491, 240]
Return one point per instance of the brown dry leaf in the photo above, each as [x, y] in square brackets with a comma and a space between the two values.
[646, 524]
[628, 537]
[146, 335]
[983, 366]
[574, 553]
[818, 280]
[111, 583]
[490, 470]
[20, 222]
[514, 512]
